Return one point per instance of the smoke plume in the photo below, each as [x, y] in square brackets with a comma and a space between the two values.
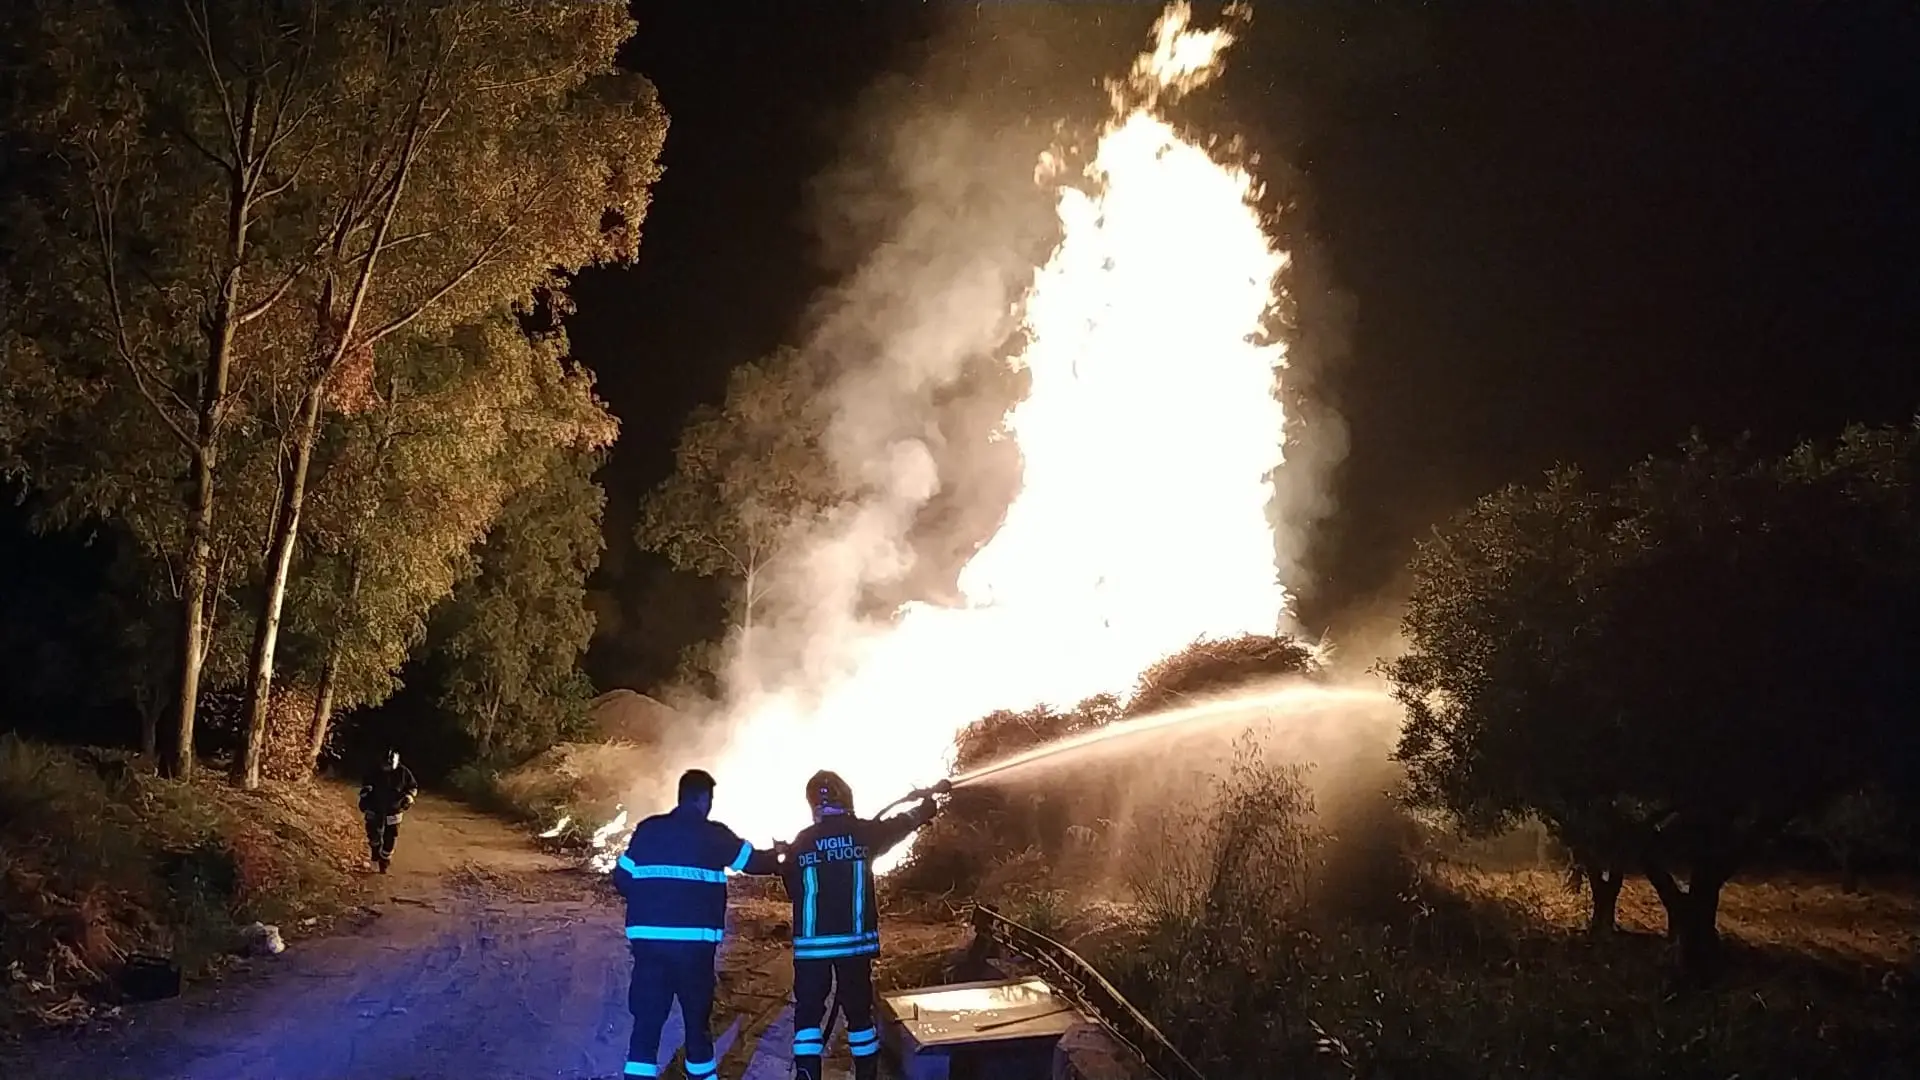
[936, 222]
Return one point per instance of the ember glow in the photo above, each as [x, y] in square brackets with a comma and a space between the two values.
[1149, 439]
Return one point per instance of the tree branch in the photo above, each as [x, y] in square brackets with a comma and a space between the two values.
[472, 268]
[279, 292]
[103, 208]
[200, 27]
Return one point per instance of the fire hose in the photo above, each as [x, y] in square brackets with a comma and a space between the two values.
[944, 787]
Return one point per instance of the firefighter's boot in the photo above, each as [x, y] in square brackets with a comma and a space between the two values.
[866, 1068]
[807, 1067]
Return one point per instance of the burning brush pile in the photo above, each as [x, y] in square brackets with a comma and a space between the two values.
[1066, 816]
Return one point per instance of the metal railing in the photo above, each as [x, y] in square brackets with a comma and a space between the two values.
[1080, 983]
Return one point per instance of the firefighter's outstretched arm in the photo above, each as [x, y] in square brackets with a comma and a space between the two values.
[747, 859]
[763, 862]
[894, 830]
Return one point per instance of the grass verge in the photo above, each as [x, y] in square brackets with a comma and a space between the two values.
[1264, 945]
[101, 861]
[583, 783]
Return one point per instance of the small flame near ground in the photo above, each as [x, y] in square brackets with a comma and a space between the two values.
[609, 840]
[1152, 379]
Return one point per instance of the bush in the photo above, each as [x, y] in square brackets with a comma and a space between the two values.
[1256, 940]
[99, 860]
[583, 782]
[1213, 666]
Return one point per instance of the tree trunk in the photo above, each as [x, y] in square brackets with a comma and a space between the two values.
[246, 768]
[746, 625]
[149, 726]
[1693, 919]
[205, 451]
[1605, 881]
[329, 677]
[193, 599]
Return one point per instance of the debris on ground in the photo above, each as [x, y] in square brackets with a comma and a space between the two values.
[259, 939]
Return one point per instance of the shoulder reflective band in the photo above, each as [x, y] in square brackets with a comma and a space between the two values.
[740, 860]
[673, 933]
[673, 873]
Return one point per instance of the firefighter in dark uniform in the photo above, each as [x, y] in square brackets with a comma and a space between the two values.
[384, 800]
[674, 876]
[828, 871]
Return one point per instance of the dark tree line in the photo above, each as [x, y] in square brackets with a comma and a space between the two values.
[262, 318]
[1676, 671]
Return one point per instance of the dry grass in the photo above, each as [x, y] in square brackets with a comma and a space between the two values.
[580, 781]
[1879, 927]
[100, 860]
[1276, 949]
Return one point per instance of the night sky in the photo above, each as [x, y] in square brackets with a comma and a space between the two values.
[1571, 235]
[1567, 235]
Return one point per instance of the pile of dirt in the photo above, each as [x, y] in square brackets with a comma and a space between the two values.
[625, 716]
[106, 868]
[580, 781]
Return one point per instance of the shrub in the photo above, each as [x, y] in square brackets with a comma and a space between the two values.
[99, 860]
[1261, 947]
[1215, 665]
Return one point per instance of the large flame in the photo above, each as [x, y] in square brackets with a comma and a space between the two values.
[1149, 438]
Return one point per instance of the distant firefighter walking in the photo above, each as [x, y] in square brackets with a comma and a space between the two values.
[385, 798]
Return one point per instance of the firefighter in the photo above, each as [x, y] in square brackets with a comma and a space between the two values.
[674, 876]
[828, 871]
[385, 797]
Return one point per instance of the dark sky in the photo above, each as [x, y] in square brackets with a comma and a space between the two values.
[1571, 234]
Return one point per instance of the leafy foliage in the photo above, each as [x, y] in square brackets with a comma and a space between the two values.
[509, 640]
[236, 229]
[746, 476]
[1672, 671]
[465, 425]
[1214, 666]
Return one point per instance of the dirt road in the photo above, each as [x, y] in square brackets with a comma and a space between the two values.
[483, 959]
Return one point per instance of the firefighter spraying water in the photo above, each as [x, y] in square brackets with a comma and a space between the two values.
[829, 874]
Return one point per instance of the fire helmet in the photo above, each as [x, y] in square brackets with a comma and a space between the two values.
[826, 791]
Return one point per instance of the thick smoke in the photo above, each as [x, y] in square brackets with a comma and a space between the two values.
[936, 225]
[936, 212]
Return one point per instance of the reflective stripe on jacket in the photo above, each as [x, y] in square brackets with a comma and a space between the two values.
[829, 876]
[674, 876]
